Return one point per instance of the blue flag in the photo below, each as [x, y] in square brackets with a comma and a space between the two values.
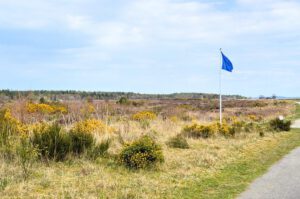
[227, 65]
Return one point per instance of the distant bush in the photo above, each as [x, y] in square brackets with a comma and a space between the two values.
[92, 126]
[280, 125]
[178, 142]
[46, 108]
[199, 131]
[209, 130]
[88, 109]
[137, 103]
[142, 153]
[51, 142]
[123, 101]
[186, 118]
[144, 115]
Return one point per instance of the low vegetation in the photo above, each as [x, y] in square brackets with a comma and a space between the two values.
[150, 150]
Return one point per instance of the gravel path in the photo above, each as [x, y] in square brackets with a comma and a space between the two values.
[281, 182]
[296, 124]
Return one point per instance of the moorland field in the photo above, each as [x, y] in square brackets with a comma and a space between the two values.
[139, 148]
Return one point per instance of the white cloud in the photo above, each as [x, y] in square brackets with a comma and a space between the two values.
[142, 21]
[163, 34]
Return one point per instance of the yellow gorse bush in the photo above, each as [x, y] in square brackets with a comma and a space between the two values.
[38, 127]
[45, 108]
[199, 130]
[11, 123]
[204, 131]
[92, 126]
[144, 115]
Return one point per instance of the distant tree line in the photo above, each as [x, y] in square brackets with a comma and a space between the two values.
[98, 95]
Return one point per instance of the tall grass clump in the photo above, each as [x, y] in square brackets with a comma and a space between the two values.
[26, 154]
[178, 142]
[142, 153]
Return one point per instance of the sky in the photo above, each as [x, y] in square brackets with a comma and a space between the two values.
[151, 46]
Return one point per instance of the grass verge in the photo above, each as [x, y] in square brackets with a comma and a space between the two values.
[234, 178]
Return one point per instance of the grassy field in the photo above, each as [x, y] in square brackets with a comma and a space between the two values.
[214, 167]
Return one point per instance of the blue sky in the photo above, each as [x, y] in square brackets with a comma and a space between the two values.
[151, 46]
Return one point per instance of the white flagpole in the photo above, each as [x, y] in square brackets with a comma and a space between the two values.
[220, 86]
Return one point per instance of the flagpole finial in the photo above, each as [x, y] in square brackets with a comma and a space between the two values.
[221, 49]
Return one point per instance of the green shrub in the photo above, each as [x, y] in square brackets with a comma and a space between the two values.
[261, 134]
[142, 153]
[178, 142]
[100, 150]
[52, 142]
[81, 141]
[123, 101]
[280, 125]
[199, 131]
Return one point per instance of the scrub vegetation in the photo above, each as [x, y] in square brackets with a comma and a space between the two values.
[150, 148]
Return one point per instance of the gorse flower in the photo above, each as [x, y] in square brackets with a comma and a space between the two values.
[205, 131]
[45, 108]
[92, 126]
[144, 115]
[10, 123]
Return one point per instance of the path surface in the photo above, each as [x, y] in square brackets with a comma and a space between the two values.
[296, 124]
[282, 180]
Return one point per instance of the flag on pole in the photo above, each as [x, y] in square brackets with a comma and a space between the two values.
[226, 65]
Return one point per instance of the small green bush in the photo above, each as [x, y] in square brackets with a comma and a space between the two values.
[123, 101]
[81, 141]
[280, 125]
[142, 153]
[52, 142]
[178, 142]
